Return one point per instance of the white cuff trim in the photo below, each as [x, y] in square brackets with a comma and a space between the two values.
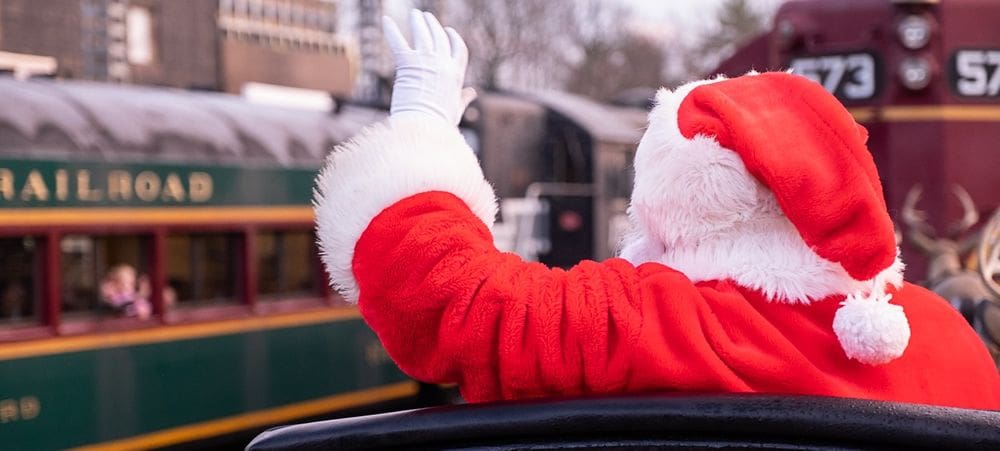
[385, 163]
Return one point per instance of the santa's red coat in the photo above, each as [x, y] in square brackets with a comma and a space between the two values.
[449, 307]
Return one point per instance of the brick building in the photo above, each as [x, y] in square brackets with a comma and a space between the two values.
[216, 45]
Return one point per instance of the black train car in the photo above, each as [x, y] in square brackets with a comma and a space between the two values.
[561, 166]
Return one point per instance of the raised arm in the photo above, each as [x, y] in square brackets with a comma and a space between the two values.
[418, 149]
[404, 217]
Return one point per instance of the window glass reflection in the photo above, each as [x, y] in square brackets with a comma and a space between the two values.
[202, 268]
[20, 288]
[286, 264]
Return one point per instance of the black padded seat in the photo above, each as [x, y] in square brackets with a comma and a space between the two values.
[653, 422]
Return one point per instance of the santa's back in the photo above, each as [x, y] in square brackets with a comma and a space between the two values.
[944, 364]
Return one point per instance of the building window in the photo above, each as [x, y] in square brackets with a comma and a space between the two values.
[284, 14]
[270, 13]
[20, 287]
[286, 265]
[105, 275]
[256, 10]
[139, 36]
[203, 268]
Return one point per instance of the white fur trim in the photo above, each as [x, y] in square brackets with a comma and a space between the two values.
[385, 163]
[697, 209]
[871, 330]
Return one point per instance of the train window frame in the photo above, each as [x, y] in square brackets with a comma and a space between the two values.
[318, 296]
[199, 312]
[72, 324]
[40, 327]
[53, 323]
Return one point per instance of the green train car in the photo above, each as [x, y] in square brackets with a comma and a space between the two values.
[159, 280]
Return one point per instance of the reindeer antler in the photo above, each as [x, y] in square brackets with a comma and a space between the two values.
[913, 218]
[920, 233]
[970, 216]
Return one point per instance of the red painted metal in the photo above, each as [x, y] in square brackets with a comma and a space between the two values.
[80, 324]
[52, 297]
[158, 271]
[290, 305]
[202, 313]
[10, 334]
[322, 277]
[115, 229]
[247, 261]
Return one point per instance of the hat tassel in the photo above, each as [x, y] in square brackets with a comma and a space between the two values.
[870, 329]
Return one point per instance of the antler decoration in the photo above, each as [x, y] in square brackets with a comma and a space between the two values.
[970, 216]
[923, 235]
[920, 232]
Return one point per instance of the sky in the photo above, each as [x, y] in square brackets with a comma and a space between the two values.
[665, 21]
[686, 10]
[651, 11]
[659, 18]
[673, 17]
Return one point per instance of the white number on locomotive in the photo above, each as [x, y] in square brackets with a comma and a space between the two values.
[977, 72]
[851, 76]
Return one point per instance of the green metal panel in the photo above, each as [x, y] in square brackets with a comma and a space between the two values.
[42, 183]
[105, 394]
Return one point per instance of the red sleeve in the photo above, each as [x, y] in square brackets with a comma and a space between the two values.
[449, 307]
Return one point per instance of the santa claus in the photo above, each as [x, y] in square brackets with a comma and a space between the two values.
[762, 257]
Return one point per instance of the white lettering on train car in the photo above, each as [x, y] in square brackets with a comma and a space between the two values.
[119, 186]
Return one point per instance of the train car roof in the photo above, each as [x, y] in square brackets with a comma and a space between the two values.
[80, 120]
[607, 123]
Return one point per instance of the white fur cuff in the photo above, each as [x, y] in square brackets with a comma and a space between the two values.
[385, 163]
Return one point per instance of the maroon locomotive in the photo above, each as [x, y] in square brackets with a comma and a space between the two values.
[923, 77]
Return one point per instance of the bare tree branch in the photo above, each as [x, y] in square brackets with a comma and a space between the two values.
[521, 44]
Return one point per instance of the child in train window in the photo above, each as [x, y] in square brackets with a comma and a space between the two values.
[120, 291]
[146, 292]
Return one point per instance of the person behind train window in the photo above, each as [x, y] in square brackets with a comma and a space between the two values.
[14, 301]
[762, 257]
[120, 292]
[146, 292]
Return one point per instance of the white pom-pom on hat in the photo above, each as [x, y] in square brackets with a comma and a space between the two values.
[870, 329]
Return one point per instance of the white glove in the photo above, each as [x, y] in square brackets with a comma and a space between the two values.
[429, 76]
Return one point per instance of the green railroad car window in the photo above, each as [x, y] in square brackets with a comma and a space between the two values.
[105, 275]
[202, 268]
[20, 289]
[286, 265]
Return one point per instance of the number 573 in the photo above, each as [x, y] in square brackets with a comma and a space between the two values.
[978, 72]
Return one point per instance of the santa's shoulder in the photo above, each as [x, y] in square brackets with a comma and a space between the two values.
[936, 324]
[919, 299]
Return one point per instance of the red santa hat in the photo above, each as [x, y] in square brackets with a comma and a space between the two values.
[753, 141]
